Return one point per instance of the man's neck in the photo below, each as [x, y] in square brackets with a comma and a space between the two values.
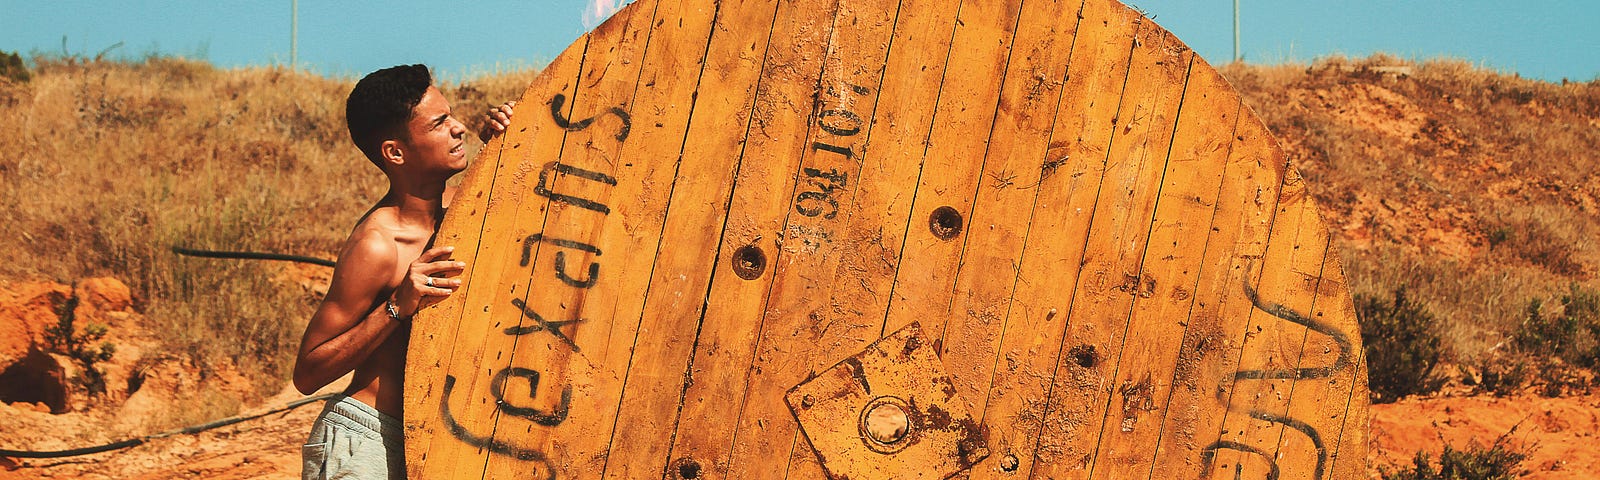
[416, 205]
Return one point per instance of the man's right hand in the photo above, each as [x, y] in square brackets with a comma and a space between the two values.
[427, 278]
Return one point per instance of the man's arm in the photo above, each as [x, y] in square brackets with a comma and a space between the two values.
[353, 320]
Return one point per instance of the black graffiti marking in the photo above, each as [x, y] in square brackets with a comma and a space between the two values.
[555, 114]
[1209, 456]
[576, 201]
[561, 273]
[1303, 427]
[854, 122]
[827, 184]
[527, 246]
[842, 151]
[497, 387]
[1284, 313]
[542, 325]
[488, 443]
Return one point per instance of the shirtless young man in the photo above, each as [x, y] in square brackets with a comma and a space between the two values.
[405, 127]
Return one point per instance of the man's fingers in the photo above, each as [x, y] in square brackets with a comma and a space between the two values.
[499, 120]
[441, 287]
[431, 268]
[434, 254]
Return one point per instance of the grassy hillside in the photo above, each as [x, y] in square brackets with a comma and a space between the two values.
[1470, 188]
[107, 165]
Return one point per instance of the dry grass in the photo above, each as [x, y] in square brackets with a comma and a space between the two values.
[110, 164]
[1469, 186]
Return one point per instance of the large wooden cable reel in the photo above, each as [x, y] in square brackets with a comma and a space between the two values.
[1038, 239]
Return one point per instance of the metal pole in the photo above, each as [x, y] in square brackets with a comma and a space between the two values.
[1236, 56]
[294, 34]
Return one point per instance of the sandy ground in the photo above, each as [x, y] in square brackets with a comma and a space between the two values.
[1558, 434]
[266, 447]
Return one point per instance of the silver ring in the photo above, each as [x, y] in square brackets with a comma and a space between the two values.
[428, 282]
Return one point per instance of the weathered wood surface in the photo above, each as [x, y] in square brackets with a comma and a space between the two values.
[707, 210]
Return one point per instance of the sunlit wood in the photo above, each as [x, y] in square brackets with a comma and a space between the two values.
[705, 213]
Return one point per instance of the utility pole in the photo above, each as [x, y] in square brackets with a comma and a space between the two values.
[1237, 57]
[294, 34]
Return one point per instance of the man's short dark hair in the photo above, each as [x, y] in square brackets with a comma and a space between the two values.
[380, 105]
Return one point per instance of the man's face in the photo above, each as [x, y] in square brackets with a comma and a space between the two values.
[436, 140]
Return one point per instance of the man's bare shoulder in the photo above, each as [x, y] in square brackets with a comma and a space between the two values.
[372, 247]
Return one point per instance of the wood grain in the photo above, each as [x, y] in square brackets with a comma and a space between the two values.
[703, 205]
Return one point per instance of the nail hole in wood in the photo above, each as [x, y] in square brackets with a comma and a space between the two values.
[945, 223]
[1084, 356]
[749, 261]
[687, 468]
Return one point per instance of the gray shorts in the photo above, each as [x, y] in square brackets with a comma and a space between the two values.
[353, 440]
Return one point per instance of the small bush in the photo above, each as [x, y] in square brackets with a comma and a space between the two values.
[1501, 375]
[1561, 346]
[1498, 462]
[80, 344]
[12, 68]
[1572, 335]
[1402, 345]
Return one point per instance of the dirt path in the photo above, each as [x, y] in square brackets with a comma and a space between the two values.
[1557, 433]
[266, 447]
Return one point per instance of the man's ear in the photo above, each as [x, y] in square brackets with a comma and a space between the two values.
[391, 152]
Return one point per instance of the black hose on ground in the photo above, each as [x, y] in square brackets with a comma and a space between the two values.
[251, 256]
[190, 430]
[133, 442]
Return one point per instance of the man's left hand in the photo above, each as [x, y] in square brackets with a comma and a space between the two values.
[499, 121]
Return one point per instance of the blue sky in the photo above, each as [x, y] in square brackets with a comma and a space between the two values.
[1547, 39]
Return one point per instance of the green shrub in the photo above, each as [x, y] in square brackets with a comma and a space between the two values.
[1501, 375]
[1498, 462]
[1402, 345]
[1564, 347]
[12, 68]
[80, 344]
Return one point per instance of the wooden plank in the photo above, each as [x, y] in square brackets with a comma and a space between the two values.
[1067, 185]
[892, 157]
[1166, 62]
[633, 231]
[774, 142]
[559, 380]
[843, 102]
[705, 156]
[1109, 276]
[879, 199]
[1348, 455]
[1245, 217]
[966, 108]
[1173, 267]
[1328, 370]
[1289, 276]
[1188, 209]
[435, 327]
[1014, 162]
[524, 379]
[453, 448]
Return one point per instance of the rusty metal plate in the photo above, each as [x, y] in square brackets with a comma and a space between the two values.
[888, 412]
